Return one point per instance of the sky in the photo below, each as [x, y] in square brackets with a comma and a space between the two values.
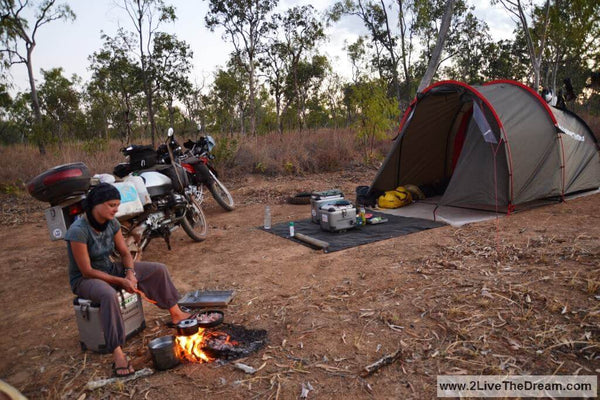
[69, 44]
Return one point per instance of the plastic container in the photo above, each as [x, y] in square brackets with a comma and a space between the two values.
[142, 192]
[267, 222]
[163, 352]
[292, 230]
[130, 202]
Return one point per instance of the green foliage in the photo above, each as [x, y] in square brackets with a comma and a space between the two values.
[376, 114]
[226, 150]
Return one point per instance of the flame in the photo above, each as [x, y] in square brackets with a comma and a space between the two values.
[189, 348]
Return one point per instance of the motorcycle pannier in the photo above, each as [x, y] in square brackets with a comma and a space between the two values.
[58, 183]
[140, 157]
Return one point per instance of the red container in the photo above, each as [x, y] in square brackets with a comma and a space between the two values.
[59, 183]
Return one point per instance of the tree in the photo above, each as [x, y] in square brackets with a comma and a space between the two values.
[302, 31]
[374, 112]
[115, 83]
[18, 42]
[146, 16]
[273, 63]
[229, 98]
[245, 23]
[60, 102]
[434, 61]
[170, 70]
[573, 43]
[303, 84]
[536, 40]
[375, 17]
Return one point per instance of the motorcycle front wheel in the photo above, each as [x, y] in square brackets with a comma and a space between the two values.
[194, 221]
[220, 193]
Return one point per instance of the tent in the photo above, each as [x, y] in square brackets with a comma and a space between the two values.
[498, 147]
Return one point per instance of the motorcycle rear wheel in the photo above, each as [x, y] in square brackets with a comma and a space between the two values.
[220, 193]
[194, 223]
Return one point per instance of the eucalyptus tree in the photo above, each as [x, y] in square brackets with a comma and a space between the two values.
[408, 36]
[573, 45]
[146, 16]
[245, 23]
[523, 13]
[170, 70]
[374, 15]
[115, 84]
[292, 40]
[229, 98]
[60, 103]
[18, 37]
[302, 31]
[303, 86]
[274, 66]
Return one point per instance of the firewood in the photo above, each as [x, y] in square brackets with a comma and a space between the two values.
[246, 368]
[385, 360]
[91, 385]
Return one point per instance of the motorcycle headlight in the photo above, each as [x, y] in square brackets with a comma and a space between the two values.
[210, 142]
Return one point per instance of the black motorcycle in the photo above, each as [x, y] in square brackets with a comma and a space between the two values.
[174, 201]
[196, 161]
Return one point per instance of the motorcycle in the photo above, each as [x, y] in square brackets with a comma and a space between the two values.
[162, 200]
[196, 161]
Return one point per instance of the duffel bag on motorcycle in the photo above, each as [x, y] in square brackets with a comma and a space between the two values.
[140, 157]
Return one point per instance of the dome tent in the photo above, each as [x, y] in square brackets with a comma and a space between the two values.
[498, 146]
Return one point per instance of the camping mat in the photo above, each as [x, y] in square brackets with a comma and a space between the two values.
[394, 227]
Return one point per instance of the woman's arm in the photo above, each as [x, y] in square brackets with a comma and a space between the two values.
[82, 258]
[126, 258]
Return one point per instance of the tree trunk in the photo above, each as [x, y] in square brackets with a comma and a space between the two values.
[439, 46]
[35, 102]
[252, 94]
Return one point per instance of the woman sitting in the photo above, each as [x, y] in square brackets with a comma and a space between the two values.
[90, 241]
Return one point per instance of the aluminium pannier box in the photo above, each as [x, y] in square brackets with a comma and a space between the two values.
[91, 334]
[59, 183]
[338, 216]
[60, 217]
[319, 198]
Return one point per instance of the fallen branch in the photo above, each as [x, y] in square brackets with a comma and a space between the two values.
[382, 362]
[91, 385]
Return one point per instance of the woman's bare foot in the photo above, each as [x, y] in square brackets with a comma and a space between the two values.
[177, 314]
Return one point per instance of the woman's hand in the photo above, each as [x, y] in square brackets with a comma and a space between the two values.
[128, 285]
[130, 276]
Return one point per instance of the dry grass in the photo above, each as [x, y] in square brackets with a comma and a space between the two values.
[294, 153]
[298, 153]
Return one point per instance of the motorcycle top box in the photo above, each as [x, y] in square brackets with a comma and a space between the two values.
[61, 182]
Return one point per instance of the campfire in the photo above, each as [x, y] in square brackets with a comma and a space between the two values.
[229, 342]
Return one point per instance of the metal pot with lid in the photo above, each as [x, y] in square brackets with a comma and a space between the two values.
[187, 327]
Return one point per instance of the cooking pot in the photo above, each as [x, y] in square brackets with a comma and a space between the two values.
[187, 327]
[163, 352]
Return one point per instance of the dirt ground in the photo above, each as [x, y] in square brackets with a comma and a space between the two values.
[518, 295]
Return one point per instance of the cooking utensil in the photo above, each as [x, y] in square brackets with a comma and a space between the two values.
[213, 322]
[163, 352]
[187, 327]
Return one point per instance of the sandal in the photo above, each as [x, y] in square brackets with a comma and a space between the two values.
[118, 371]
